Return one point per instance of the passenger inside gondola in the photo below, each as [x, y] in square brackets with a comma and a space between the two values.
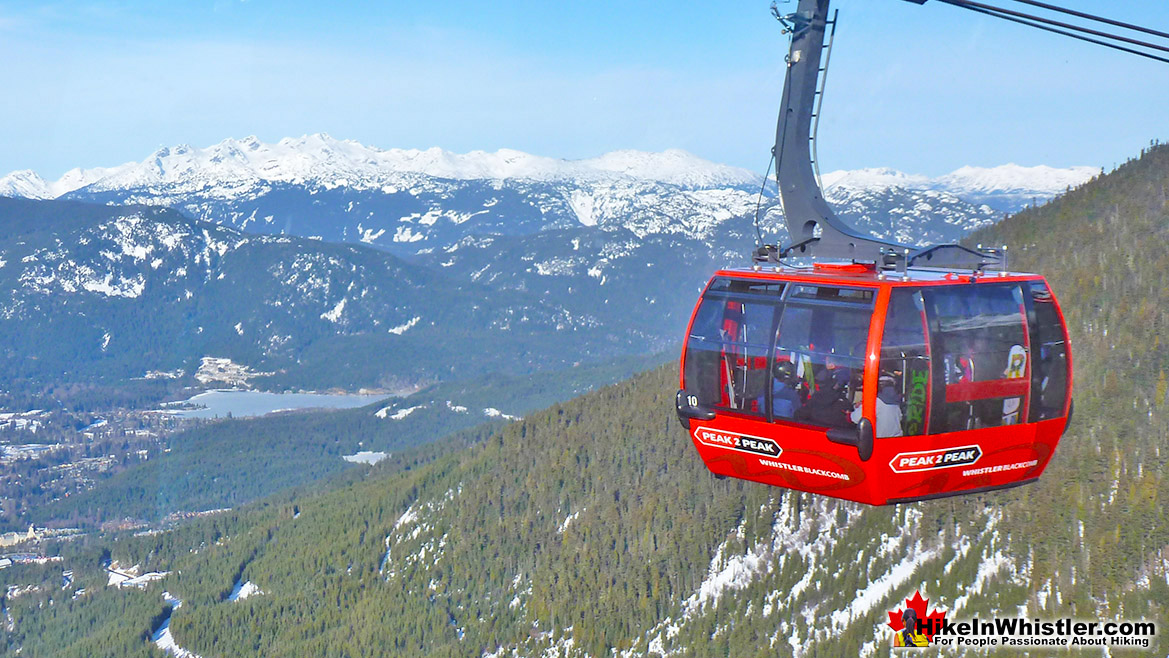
[842, 375]
[1050, 369]
[888, 408]
[905, 359]
[785, 394]
[827, 406]
[823, 336]
[727, 364]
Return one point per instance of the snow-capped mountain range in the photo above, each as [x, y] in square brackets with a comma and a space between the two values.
[322, 160]
[1006, 188]
[228, 168]
[623, 241]
[420, 203]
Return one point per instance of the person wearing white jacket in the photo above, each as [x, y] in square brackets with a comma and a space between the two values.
[888, 409]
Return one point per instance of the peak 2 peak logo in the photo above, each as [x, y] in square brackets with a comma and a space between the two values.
[755, 445]
[928, 460]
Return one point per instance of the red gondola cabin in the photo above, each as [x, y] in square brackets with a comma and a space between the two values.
[876, 387]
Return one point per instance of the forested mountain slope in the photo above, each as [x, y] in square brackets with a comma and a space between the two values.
[592, 527]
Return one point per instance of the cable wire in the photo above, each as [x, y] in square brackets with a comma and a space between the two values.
[759, 202]
[1093, 17]
[1079, 28]
[996, 14]
[777, 158]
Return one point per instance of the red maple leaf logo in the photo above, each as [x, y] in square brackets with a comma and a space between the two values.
[920, 606]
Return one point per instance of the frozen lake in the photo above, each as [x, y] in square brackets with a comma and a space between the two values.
[242, 404]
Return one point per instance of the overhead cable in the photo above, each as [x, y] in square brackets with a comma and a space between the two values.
[1093, 17]
[1000, 13]
[1071, 26]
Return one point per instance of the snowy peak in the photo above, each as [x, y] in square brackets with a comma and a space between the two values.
[75, 179]
[223, 170]
[477, 165]
[672, 166]
[24, 184]
[27, 184]
[1043, 180]
[874, 178]
[1008, 187]
[1013, 178]
[322, 160]
[229, 161]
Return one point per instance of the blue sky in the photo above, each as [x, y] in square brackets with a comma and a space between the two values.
[925, 89]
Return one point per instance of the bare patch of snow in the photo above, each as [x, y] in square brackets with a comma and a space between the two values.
[399, 414]
[582, 204]
[368, 236]
[492, 412]
[568, 521]
[334, 315]
[407, 234]
[162, 637]
[402, 328]
[879, 589]
[242, 591]
[365, 457]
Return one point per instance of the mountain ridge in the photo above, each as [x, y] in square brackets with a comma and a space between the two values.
[1005, 188]
[324, 160]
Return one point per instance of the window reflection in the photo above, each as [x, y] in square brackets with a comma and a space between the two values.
[728, 347]
[804, 363]
[904, 394]
[1050, 366]
[823, 348]
[982, 342]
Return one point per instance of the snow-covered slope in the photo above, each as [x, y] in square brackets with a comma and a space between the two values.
[322, 160]
[414, 202]
[626, 238]
[24, 183]
[877, 178]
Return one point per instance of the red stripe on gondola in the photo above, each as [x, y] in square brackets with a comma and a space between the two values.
[995, 388]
